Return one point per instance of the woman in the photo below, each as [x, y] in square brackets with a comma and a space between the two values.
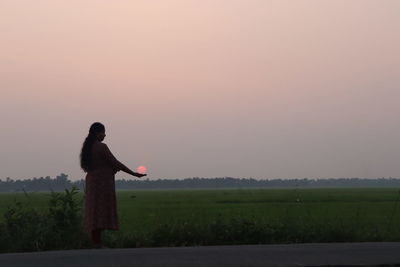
[100, 202]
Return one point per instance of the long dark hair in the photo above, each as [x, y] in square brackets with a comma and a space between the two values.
[86, 156]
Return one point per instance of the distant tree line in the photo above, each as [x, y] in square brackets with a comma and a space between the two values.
[61, 182]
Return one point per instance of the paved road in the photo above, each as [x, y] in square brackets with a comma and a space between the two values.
[353, 254]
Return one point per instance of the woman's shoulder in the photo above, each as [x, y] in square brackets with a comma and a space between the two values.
[99, 144]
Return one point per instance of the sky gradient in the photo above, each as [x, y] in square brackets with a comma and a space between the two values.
[211, 88]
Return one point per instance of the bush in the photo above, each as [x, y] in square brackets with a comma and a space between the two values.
[24, 229]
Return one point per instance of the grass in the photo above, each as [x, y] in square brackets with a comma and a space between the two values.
[206, 217]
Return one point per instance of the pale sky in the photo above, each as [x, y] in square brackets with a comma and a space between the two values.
[202, 88]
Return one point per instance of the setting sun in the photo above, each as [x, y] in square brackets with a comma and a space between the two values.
[141, 169]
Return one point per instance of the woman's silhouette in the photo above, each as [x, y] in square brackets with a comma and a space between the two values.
[100, 165]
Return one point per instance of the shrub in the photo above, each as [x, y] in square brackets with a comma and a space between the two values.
[25, 229]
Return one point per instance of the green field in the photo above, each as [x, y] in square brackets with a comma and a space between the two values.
[206, 217]
[146, 210]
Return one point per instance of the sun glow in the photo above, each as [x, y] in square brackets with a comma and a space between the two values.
[141, 169]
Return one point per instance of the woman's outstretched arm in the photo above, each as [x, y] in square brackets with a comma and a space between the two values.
[117, 165]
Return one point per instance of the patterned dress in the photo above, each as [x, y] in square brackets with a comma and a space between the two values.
[100, 199]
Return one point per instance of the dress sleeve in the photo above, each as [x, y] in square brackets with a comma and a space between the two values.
[116, 165]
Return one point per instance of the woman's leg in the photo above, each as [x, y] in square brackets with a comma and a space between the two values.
[96, 237]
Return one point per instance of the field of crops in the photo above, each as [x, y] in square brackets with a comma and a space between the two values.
[142, 211]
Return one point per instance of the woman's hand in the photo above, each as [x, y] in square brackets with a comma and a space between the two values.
[139, 174]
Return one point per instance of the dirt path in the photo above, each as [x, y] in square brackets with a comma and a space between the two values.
[353, 254]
